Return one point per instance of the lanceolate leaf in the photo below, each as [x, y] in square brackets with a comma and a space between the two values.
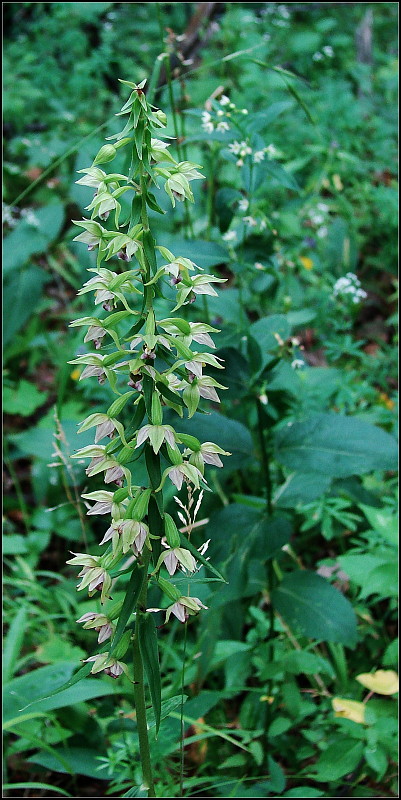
[150, 656]
[130, 601]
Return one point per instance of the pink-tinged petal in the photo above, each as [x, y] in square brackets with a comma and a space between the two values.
[91, 658]
[154, 610]
[171, 562]
[169, 437]
[88, 617]
[179, 611]
[176, 477]
[108, 535]
[90, 372]
[199, 602]
[105, 632]
[204, 338]
[212, 458]
[104, 429]
[100, 508]
[113, 474]
[209, 393]
[195, 367]
[115, 670]
[142, 435]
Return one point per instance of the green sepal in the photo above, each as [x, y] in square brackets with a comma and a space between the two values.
[149, 249]
[171, 531]
[119, 404]
[189, 441]
[168, 394]
[138, 507]
[121, 648]
[153, 204]
[169, 589]
[120, 495]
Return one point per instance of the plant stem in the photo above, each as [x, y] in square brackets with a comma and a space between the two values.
[265, 458]
[139, 688]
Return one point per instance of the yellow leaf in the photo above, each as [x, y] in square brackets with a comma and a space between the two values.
[349, 709]
[338, 183]
[306, 262]
[384, 681]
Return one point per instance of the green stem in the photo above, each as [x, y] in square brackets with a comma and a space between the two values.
[270, 565]
[139, 689]
[265, 458]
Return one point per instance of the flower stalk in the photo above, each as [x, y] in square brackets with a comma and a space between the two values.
[155, 372]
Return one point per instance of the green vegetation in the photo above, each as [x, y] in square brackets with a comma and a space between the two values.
[285, 684]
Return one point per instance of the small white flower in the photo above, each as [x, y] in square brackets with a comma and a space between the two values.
[223, 126]
[297, 363]
[322, 232]
[258, 156]
[235, 148]
[224, 100]
[250, 221]
[328, 51]
[229, 236]
[317, 56]
[243, 204]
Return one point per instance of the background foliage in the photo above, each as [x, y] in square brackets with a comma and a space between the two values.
[302, 519]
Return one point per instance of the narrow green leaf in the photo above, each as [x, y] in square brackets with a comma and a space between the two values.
[150, 655]
[189, 546]
[45, 786]
[13, 642]
[130, 601]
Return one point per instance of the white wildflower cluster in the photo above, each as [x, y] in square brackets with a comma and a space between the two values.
[157, 359]
[243, 149]
[220, 115]
[318, 218]
[326, 52]
[349, 287]
[10, 216]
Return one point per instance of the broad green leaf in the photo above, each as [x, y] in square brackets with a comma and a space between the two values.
[27, 239]
[301, 487]
[265, 336]
[24, 399]
[150, 656]
[335, 445]
[382, 521]
[81, 760]
[22, 292]
[271, 534]
[339, 759]
[61, 689]
[311, 606]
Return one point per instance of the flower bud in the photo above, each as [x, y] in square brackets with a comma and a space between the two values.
[171, 532]
[105, 154]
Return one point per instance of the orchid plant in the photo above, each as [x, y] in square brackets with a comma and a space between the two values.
[151, 365]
